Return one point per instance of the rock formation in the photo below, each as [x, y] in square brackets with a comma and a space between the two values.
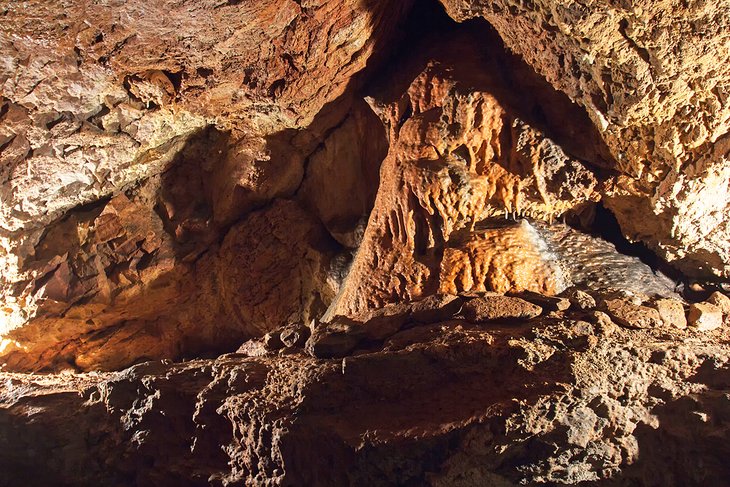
[188, 120]
[654, 78]
[308, 242]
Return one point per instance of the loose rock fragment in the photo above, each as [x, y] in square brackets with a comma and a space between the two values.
[721, 301]
[604, 325]
[705, 316]
[294, 335]
[671, 312]
[632, 315]
[493, 308]
[549, 303]
[438, 307]
[581, 300]
[334, 340]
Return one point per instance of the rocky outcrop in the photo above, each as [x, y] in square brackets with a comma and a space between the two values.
[654, 78]
[460, 155]
[569, 398]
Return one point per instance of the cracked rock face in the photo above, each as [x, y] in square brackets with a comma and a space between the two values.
[373, 242]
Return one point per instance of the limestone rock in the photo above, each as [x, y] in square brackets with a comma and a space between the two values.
[498, 308]
[335, 339]
[350, 156]
[603, 322]
[294, 335]
[581, 300]
[435, 308]
[665, 125]
[549, 303]
[502, 259]
[721, 301]
[379, 324]
[442, 402]
[592, 263]
[116, 262]
[383, 227]
[632, 315]
[460, 157]
[704, 316]
[272, 269]
[671, 312]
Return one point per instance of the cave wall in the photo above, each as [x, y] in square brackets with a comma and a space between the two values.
[132, 147]
[139, 156]
[311, 242]
[654, 78]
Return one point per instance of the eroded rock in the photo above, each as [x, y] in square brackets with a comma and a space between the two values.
[665, 125]
[387, 416]
[116, 290]
[496, 308]
[581, 300]
[704, 316]
[632, 315]
[671, 312]
[721, 301]
[460, 155]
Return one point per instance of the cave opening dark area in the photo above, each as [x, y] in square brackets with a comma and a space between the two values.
[605, 226]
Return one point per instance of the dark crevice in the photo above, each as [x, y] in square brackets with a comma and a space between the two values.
[604, 225]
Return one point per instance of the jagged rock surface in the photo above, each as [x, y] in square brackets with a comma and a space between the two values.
[119, 295]
[459, 156]
[370, 226]
[563, 400]
[186, 119]
[654, 77]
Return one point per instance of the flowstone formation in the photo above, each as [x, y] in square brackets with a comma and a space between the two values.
[455, 243]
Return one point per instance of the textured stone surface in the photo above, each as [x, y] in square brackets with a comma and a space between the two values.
[187, 116]
[671, 312]
[350, 156]
[654, 78]
[460, 154]
[496, 308]
[581, 299]
[433, 406]
[106, 307]
[632, 315]
[704, 316]
[368, 203]
[550, 303]
[721, 301]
